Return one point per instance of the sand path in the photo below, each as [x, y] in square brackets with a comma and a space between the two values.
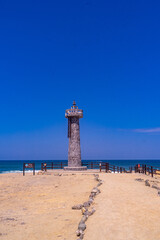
[125, 210]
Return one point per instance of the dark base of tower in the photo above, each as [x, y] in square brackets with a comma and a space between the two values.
[81, 168]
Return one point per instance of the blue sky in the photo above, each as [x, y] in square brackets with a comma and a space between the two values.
[103, 54]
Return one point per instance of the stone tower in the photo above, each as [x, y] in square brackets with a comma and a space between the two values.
[74, 150]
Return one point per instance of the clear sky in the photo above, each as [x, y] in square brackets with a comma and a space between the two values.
[104, 54]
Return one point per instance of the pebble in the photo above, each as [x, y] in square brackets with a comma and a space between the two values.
[147, 183]
[84, 219]
[86, 204]
[82, 226]
[77, 207]
[155, 186]
[139, 179]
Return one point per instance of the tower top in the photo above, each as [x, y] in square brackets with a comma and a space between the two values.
[74, 111]
[74, 103]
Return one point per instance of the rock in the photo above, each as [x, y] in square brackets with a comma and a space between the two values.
[83, 209]
[99, 184]
[10, 219]
[155, 186]
[86, 204]
[139, 179]
[92, 195]
[147, 183]
[90, 200]
[78, 232]
[94, 190]
[97, 178]
[82, 226]
[77, 207]
[91, 212]
[84, 219]
[86, 213]
[159, 193]
[96, 175]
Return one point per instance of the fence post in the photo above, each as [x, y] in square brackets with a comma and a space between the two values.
[91, 165]
[135, 168]
[23, 169]
[120, 169]
[152, 171]
[100, 167]
[45, 167]
[33, 168]
[107, 167]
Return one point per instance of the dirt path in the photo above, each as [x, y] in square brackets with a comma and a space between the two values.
[125, 210]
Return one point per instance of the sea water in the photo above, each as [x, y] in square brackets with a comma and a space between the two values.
[7, 166]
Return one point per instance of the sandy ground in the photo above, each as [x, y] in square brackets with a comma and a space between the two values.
[39, 207]
[125, 210]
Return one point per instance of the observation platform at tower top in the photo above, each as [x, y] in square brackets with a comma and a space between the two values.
[74, 111]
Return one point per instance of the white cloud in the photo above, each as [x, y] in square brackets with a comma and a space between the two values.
[145, 130]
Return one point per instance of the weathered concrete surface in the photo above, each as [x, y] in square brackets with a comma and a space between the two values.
[74, 151]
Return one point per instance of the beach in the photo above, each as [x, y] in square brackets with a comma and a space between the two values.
[40, 206]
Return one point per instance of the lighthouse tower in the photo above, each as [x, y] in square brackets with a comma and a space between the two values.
[74, 151]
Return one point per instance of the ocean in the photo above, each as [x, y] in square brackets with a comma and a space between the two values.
[7, 166]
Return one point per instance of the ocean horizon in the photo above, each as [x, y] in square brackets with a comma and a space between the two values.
[11, 166]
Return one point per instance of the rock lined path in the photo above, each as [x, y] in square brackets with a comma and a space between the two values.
[125, 210]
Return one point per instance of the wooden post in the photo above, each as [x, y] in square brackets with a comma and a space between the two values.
[152, 171]
[45, 167]
[91, 165]
[100, 167]
[33, 168]
[145, 168]
[61, 165]
[135, 168]
[23, 169]
[52, 165]
[107, 167]
[120, 170]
